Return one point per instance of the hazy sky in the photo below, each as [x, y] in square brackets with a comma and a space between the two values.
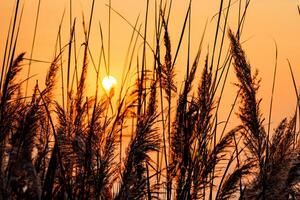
[267, 21]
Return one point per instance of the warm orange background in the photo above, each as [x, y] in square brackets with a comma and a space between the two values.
[267, 21]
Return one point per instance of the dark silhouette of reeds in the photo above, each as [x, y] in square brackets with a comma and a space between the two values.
[275, 158]
[52, 150]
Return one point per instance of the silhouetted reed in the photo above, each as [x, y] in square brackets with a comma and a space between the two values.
[51, 150]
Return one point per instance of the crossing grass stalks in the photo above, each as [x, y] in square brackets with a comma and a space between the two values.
[50, 150]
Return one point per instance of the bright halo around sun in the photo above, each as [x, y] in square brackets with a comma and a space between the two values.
[109, 82]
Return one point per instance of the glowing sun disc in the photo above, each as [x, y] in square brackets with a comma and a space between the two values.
[109, 82]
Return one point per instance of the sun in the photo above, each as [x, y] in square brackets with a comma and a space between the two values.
[109, 82]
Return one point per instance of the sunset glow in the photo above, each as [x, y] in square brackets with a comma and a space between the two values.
[141, 99]
[109, 82]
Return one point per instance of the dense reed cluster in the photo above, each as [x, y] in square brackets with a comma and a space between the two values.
[73, 149]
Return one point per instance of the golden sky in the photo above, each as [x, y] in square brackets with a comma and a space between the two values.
[267, 21]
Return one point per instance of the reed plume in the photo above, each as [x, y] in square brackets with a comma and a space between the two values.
[274, 159]
[144, 141]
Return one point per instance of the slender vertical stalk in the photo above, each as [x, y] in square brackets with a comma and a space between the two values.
[62, 69]
[33, 43]
[109, 35]
[271, 105]
[5, 53]
[11, 48]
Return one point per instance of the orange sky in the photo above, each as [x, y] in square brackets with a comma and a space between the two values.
[267, 21]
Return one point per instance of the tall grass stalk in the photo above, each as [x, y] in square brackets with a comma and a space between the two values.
[178, 146]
